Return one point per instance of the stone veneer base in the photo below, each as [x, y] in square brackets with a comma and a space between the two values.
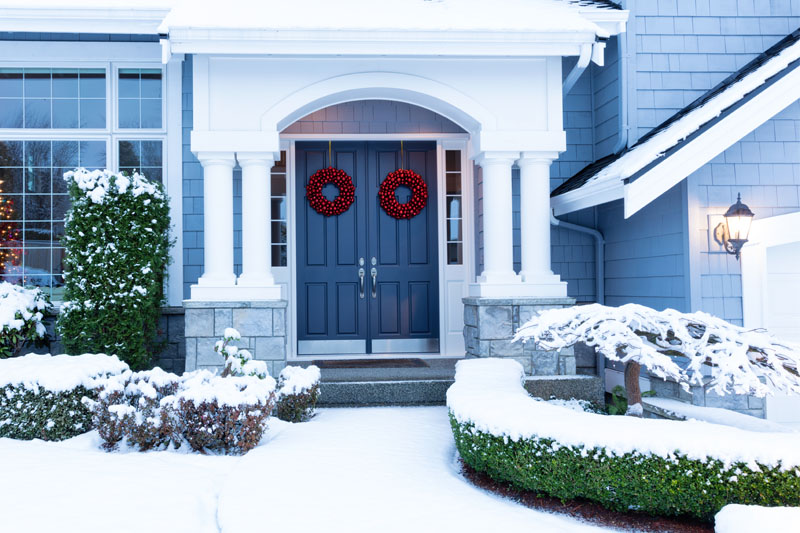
[262, 325]
[490, 325]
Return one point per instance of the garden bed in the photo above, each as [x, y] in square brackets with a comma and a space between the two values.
[656, 466]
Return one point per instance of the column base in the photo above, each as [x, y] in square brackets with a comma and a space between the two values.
[230, 293]
[264, 280]
[541, 288]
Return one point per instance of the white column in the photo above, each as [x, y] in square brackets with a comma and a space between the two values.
[534, 170]
[218, 276]
[256, 220]
[498, 243]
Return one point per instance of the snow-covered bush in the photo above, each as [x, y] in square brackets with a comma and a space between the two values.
[116, 253]
[238, 362]
[158, 410]
[21, 312]
[661, 467]
[298, 392]
[129, 407]
[227, 414]
[688, 348]
[40, 394]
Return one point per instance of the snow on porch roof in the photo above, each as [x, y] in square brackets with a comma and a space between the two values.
[394, 15]
[603, 180]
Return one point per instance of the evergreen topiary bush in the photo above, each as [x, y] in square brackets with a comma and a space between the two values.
[116, 253]
[22, 310]
[298, 393]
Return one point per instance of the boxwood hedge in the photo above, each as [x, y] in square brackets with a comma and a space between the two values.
[43, 414]
[649, 483]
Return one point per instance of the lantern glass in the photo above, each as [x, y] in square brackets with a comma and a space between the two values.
[739, 226]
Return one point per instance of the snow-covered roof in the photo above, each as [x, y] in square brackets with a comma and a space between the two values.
[604, 179]
[598, 17]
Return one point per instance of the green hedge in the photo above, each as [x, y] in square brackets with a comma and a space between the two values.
[26, 414]
[648, 483]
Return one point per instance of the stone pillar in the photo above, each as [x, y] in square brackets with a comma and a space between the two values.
[218, 276]
[256, 202]
[498, 243]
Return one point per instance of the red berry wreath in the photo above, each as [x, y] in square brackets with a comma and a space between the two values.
[343, 200]
[419, 194]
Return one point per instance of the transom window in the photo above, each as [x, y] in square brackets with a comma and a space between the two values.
[54, 119]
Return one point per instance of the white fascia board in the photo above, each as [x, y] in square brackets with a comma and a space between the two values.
[612, 21]
[26, 52]
[369, 43]
[590, 195]
[129, 20]
[713, 141]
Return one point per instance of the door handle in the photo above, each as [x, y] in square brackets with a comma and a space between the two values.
[361, 275]
[374, 273]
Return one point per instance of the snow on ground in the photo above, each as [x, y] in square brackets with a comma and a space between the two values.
[716, 415]
[353, 470]
[750, 518]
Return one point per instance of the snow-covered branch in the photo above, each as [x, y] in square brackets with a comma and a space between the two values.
[684, 347]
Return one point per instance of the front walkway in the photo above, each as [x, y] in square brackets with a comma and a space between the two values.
[349, 470]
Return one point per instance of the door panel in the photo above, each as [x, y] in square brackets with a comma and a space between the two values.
[403, 316]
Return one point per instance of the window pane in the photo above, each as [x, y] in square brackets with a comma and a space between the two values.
[278, 208]
[37, 154]
[278, 232]
[128, 113]
[10, 113]
[454, 184]
[37, 180]
[65, 83]
[65, 154]
[129, 154]
[151, 113]
[128, 83]
[278, 185]
[10, 82]
[453, 160]
[10, 180]
[65, 113]
[151, 153]
[37, 207]
[60, 206]
[454, 253]
[93, 113]
[37, 113]
[453, 207]
[37, 82]
[454, 230]
[92, 154]
[278, 255]
[37, 234]
[93, 83]
[151, 83]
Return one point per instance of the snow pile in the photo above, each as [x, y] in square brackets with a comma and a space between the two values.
[296, 379]
[59, 373]
[99, 184]
[736, 518]
[716, 415]
[19, 305]
[488, 394]
[684, 347]
[231, 391]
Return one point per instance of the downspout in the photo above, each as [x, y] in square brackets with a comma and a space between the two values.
[580, 66]
[599, 247]
[624, 127]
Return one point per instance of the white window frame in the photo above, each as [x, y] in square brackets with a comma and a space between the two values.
[111, 56]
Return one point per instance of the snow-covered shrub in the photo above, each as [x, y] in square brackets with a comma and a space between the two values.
[116, 253]
[40, 394]
[238, 362]
[298, 392]
[129, 407]
[226, 414]
[21, 312]
[682, 347]
[661, 467]
[157, 410]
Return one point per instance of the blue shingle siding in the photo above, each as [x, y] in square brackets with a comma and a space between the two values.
[192, 192]
[645, 254]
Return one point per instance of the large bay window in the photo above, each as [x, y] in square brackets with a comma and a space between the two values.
[54, 118]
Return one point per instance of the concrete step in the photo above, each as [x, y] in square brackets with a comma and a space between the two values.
[433, 391]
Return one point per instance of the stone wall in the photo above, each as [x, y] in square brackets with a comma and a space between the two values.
[490, 325]
[261, 323]
[749, 405]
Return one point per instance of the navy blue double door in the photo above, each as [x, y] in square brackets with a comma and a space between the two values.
[367, 283]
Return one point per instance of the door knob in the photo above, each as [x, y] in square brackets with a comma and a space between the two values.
[374, 273]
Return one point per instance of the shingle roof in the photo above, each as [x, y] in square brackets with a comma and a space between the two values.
[592, 170]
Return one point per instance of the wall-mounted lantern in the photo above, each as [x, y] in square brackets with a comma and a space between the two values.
[733, 233]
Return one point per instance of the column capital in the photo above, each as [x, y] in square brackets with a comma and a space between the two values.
[496, 158]
[216, 158]
[256, 158]
[536, 157]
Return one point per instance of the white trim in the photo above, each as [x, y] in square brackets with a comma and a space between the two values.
[82, 53]
[453, 274]
[379, 137]
[173, 173]
[592, 194]
[126, 19]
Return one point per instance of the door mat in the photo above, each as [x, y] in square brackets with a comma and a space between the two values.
[371, 363]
